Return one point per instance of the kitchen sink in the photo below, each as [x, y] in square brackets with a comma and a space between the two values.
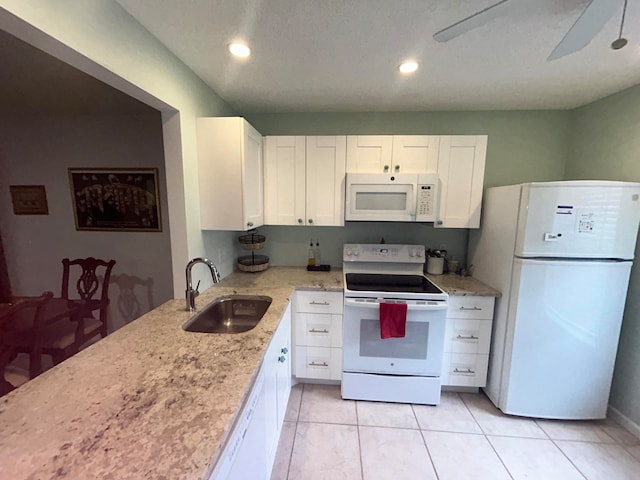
[229, 314]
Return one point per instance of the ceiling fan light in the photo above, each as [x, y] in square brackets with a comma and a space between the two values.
[408, 67]
[239, 50]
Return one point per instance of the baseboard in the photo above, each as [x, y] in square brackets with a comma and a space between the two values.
[615, 415]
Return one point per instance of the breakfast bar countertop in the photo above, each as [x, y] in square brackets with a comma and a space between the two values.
[150, 400]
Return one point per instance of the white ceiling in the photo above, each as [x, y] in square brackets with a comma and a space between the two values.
[341, 55]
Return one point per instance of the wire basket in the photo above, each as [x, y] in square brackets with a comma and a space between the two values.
[251, 241]
[253, 263]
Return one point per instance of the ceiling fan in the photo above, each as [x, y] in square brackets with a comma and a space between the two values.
[592, 19]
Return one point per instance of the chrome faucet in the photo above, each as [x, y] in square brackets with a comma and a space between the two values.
[192, 293]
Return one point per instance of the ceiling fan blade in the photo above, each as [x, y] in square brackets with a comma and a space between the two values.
[592, 19]
[476, 20]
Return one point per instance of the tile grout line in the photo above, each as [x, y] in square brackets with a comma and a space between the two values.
[486, 437]
[424, 441]
[567, 457]
[359, 441]
[295, 433]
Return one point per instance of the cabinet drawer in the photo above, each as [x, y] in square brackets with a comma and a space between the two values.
[318, 330]
[470, 306]
[319, 362]
[464, 370]
[467, 336]
[319, 302]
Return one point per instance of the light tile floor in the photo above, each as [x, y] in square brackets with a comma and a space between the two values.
[465, 437]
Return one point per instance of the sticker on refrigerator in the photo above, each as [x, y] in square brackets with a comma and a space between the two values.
[586, 222]
[564, 210]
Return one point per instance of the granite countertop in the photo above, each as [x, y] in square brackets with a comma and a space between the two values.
[150, 400]
[458, 285]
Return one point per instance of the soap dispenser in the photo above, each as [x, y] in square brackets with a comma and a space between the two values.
[316, 253]
[311, 259]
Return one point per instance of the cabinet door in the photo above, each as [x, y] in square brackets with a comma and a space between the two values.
[325, 183]
[229, 174]
[461, 162]
[369, 153]
[415, 153]
[252, 178]
[277, 368]
[284, 175]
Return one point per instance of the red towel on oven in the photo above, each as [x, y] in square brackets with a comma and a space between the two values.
[393, 320]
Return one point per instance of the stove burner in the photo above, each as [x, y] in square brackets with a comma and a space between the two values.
[375, 282]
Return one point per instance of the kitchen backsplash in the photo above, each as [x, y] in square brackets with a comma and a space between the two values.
[289, 246]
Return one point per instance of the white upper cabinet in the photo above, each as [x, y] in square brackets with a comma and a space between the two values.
[230, 174]
[284, 180]
[369, 153]
[325, 180]
[304, 180]
[392, 153]
[461, 170]
[415, 153]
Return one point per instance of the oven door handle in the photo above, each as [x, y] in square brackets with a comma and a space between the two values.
[410, 306]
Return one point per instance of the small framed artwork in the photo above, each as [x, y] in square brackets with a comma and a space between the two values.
[29, 199]
[116, 199]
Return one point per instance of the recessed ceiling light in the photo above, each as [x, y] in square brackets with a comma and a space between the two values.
[239, 50]
[408, 67]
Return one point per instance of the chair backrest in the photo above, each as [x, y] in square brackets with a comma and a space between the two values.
[88, 282]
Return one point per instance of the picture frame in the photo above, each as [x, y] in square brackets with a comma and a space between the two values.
[116, 199]
[29, 199]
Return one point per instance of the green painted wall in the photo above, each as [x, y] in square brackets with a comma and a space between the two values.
[605, 145]
[523, 146]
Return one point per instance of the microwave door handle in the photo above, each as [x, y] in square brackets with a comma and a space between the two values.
[410, 307]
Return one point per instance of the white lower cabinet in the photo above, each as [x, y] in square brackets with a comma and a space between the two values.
[250, 451]
[467, 340]
[317, 325]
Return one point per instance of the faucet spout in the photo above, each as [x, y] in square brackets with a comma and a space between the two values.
[192, 293]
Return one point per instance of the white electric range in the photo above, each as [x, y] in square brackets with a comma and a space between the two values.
[407, 369]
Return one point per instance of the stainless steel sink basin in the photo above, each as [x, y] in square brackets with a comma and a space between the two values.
[229, 314]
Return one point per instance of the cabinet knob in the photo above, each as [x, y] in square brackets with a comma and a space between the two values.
[249, 224]
[386, 168]
[310, 221]
[300, 221]
[439, 222]
[284, 350]
[282, 359]
[397, 168]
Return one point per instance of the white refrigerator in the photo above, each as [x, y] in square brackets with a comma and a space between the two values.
[561, 255]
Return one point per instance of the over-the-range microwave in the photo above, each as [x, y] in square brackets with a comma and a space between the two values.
[389, 197]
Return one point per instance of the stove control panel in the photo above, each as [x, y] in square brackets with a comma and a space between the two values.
[384, 253]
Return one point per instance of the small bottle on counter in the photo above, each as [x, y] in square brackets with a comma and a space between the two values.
[316, 253]
[311, 259]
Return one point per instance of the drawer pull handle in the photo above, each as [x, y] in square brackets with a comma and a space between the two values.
[319, 303]
[313, 330]
[466, 337]
[314, 364]
[466, 370]
[473, 308]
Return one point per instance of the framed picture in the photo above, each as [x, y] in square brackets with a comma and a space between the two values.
[116, 199]
[29, 199]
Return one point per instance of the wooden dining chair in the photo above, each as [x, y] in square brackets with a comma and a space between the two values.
[86, 281]
[21, 327]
